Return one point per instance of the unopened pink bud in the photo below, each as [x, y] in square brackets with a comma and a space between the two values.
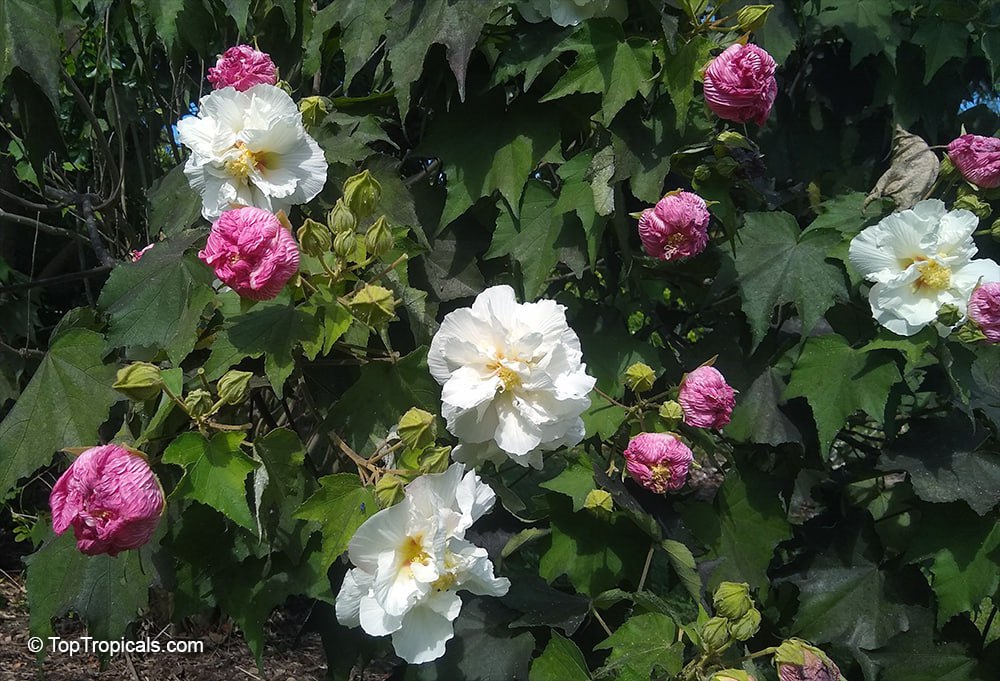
[984, 310]
[706, 398]
[740, 85]
[977, 158]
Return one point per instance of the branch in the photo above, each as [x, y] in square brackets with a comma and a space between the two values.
[41, 226]
[22, 352]
[95, 236]
[61, 279]
[88, 112]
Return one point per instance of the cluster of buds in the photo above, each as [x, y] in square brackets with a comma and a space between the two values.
[736, 618]
[142, 381]
[340, 233]
[415, 436]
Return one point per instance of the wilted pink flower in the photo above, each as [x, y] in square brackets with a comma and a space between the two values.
[242, 67]
[111, 498]
[984, 310]
[977, 158]
[706, 398]
[676, 227]
[251, 252]
[739, 84]
[658, 461]
[137, 255]
[796, 660]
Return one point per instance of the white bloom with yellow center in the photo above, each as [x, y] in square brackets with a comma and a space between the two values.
[512, 375]
[250, 149]
[412, 558]
[919, 261]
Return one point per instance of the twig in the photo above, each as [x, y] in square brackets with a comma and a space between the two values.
[61, 279]
[432, 167]
[95, 236]
[645, 568]
[41, 226]
[88, 112]
[22, 352]
[600, 620]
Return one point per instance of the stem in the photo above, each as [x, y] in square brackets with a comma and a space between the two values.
[178, 401]
[609, 398]
[41, 226]
[600, 620]
[759, 653]
[395, 263]
[989, 624]
[645, 568]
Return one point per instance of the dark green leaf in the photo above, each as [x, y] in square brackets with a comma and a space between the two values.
[173, 205]
[758, 417]
[560, 661]
[340, 505]
[30, 42]
[575, 481]
[640, 646]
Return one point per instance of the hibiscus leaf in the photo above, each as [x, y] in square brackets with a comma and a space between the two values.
[915, 655]
[777, 264]
[640, 646]
[867, 24]
[173, 205]
[215, 473]
[64, 404]
[575, 481]
[680, 72]
[30, 42]
[757, 416]
[158, 301]
[104, 592]
[608, 64]
[747, 505]
[340, 506]
[838, 380]
[560, 661]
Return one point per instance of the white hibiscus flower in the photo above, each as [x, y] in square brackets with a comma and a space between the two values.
[920, 260]
[512, 377]
[250, 149]
[411, 560]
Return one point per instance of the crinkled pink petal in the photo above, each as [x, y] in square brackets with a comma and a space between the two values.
[740, 85]
[242, 67]
[984, 310]
[658, 461]
[706, 399]
[676, 227]
[111, 498]
[251, 252]
[977, 158]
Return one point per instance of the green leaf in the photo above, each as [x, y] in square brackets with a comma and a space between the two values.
[575, 481]
[164, 14]
[915, 656]
[530, 51]
[215, 473]
[776, 265]
[29, 41]
[530, 239]
[684, 565]
[838, 380]
[867, 24]
[340, 506]
[758, 417]
[608, 64]
[945, 464]
[362, 24]
[158, 301]
[278, 484]
[173, 205]
[742, 527]
[273, 329]
[642, 645]
[238, 10]
[580, 193]
[415, 25]
[64, 404]
[541, 605]
[942, 41]
[518, 137]
[560, 661]
[104, 592]
[964, 553]
[680, 72]
[372, 406]
[844, 213]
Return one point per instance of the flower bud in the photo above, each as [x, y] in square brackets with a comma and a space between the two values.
[732, 600]
[344, 244]
[970, 333]
[341, 219]
[378, 238]
[599, 500]
[797, 660]
[715, 633]
[706, 398]
[702, 172]
[949, 315]
[434, 460]
[752, 17]
[640, 377]
[374, 305]
[314, 110]
[234, 386]
[731, 675]
[745, 627]
[417, 429]
[973, 204]
[140, 381]
[984, 310]
[314, 237]
[361, 193]
[731, 138]
[671, 411]
[389, 490]
[199, 403]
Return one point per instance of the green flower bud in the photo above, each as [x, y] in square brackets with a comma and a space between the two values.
[802, 660]
[702, 172]
[378, 238]
[752, 17]
[974, 204]
[970, 333]
[715, 633]
[374, 305]
[314, 237]
[434, 460]
[417, 429]
[640, 377]
[731, 138]
[341, 219]
[139, 382]
[361, 193]
[199, 403]
[599, 500]
[314, 110]
[949, 315]
[671, 411]
[344, 244]
[234, 386]
[732, 600]
[745, 627]
[389, 490]
[731, 675]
